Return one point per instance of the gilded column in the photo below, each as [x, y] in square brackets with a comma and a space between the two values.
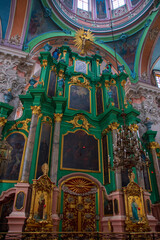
[30, 144]
[3, 121]
[153, 146]
[55, 147]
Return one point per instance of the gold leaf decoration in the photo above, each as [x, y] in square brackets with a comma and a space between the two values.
[76, 80]
[24, 123]
[76, 122]
[2, 121]
[79, 185]
[83, 40]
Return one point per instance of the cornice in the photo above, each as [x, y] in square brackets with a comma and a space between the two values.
[13, 52]
[139, 88]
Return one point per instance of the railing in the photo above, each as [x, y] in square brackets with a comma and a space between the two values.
[79, 236]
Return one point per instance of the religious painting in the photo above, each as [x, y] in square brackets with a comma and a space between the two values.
[40, 21]
[20, 200]
[5, 210]
[99, 101]
[80, 66]
[40, 216]
[146, 178]
[108, 207]
[146, 174]
[79, 98]
[40, 210]
[101, 9]
[127, 48]
[135, 208]
[80, 151]
[52, 84]
[125, 178]
[68, 3]
[105, 159]
[44, 148]
[10, 170]
[114, 95]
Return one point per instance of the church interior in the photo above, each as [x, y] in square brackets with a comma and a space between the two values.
[79, 119]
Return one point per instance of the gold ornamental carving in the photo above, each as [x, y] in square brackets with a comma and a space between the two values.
[110, 127]
[123, 83]
[61, 74]
[44, 63]
[80, 121]
[77, 81]
[23, 125]
[83, 40]
[58, 117]
[47, 119]
[136, 220]
[41, 82]
[154, 145]
[79, 185]
[2, 121]
[36, 110]
[40, 217]
[108, 83]
[133, 127]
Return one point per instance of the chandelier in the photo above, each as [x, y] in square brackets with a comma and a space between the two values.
[128, 150]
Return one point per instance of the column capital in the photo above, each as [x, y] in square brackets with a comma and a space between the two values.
[36, 110]
[133, 127]
[58, 117]
[154, 145]
[3, 121]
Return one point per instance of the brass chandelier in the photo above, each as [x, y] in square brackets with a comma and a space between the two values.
[128, 150]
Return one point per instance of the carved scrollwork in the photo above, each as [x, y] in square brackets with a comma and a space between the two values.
[76, 80]
[36, 110]
[24, 125]
[80, 121]
[2, 121]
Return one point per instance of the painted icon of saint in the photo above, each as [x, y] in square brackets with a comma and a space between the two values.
[134, 207]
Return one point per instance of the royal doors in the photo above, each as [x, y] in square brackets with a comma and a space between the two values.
[79, 205]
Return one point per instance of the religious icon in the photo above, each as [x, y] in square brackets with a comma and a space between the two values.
[135, 209]
[41, 207]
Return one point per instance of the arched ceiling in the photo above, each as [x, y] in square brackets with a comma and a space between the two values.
[127, 16]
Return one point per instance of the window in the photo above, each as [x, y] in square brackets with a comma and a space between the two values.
[117, 3]
[158, 79]
[83, 4]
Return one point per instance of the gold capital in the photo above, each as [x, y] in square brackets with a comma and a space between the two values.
[154, 145]
[58, 117]
[133, 127]
[44, 63]
[36, 110]
[113, 126]
[2, 121]
[123, 83]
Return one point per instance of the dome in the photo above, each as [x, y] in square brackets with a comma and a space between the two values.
[100, 15]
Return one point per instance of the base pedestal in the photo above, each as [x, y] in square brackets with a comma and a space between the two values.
[20, 208]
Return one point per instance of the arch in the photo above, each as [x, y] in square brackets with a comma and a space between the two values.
[80, 174]
[148, 45]
[57, 39]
